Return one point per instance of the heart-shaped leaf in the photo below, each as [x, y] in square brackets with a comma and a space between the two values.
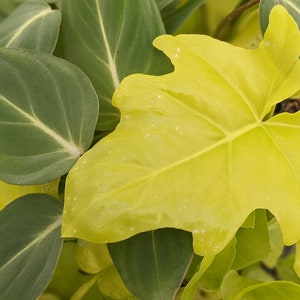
[32, 25]
[30, 244]
[196, 148]
[109, 40]
[48, 112]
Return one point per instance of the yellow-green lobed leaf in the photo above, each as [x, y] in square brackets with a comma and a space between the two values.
[194, 148]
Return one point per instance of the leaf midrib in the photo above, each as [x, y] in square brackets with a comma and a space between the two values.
[41, 235]
[226, 139]
[69, 147]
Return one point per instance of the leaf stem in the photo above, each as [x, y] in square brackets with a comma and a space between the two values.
[233, 15]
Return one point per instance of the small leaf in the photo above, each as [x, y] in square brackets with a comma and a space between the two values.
[265, 7]
[160, 258]
[252, 243]
[180, 156]
[32, 25]
[10, 192]
[30, 244]
[109, 40]
[48, 112]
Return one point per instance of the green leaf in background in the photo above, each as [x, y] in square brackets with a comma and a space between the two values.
[252, 243]
[10, 192]
[68, 281]
[180, 155]
[211, 277]
[174, 17]
[265, 7]
[47, 117]
[160, 258]
[32, 25]
[7, 6]
[277, 290]
[109, 40]
[30, 244]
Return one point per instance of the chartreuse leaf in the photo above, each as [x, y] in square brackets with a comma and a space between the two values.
[160, 257]
[194, 149]
[105, 38]
[48, 112]
[276, 244]
[95, 259]
[30, 244]
[235, 287]
[32, 25]
[265, 7]
[211, 272]
[10, 192]
[252, 243]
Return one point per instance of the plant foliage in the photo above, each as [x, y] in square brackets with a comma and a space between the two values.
[132, 170]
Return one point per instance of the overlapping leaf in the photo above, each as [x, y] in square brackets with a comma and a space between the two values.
[195, 149]
[48, 112]
[30, 244]
[109, 40]
[33, 25]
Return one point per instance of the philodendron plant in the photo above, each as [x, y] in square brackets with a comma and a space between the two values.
[149, 149]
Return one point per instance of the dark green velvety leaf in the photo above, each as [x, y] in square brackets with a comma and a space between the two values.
[265, 7]
[175, 16]
[153, 264]
[48, 112]
[30, 244]
[109, 40]
[32, 25]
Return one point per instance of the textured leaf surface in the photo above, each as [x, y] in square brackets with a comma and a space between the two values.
[10, 192]
[33, 25]
[194, 149]
[30, 244]
[105, 38]
[48, 112]
[159, 257]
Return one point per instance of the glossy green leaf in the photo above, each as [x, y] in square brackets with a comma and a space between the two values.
[252, 243]
[265, 7]
[32, 25]
[30, 244]
[109, 40]
[180, 156]
[48, 112]
[160, 258]
[174, 18]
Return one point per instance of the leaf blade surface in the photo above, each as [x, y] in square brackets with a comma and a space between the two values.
[47, 117]
[189, 154]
